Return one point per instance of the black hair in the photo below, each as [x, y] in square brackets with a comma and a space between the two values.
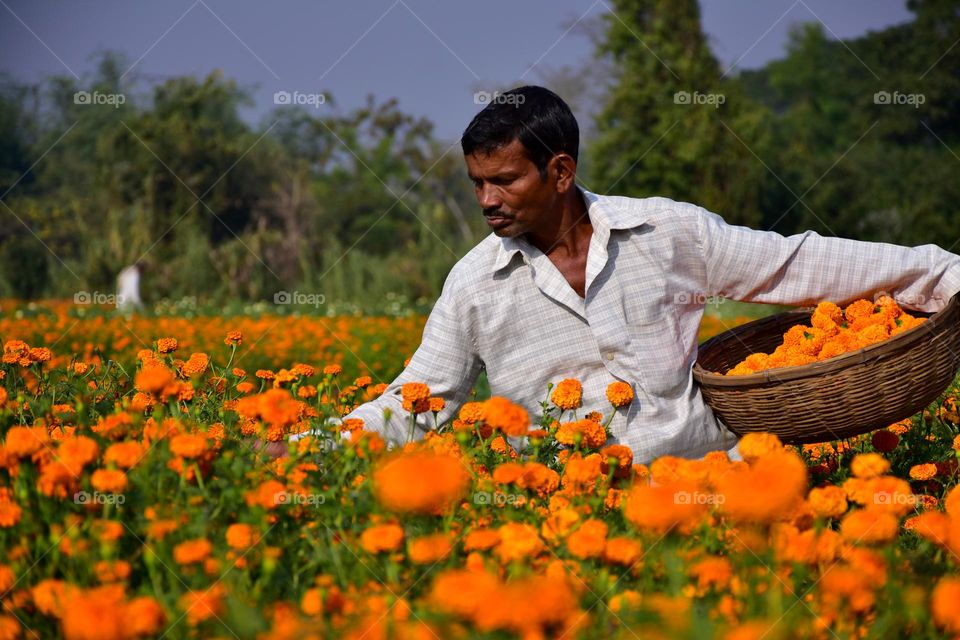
[536, 116]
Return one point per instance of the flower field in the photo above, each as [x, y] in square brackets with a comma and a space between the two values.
[137, 501]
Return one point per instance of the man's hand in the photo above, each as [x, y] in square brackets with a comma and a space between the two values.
[272, 449]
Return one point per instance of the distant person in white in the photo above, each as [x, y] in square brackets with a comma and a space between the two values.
[128, 288]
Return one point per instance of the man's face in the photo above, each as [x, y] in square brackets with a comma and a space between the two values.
[513, 196]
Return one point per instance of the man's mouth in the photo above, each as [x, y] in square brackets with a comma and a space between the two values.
[497, 221]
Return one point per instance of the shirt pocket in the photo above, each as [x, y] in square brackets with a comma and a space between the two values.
[659, 355]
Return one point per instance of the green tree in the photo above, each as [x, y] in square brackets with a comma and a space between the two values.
[670, 125]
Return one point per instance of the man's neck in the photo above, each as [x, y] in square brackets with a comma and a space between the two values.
[570, 229]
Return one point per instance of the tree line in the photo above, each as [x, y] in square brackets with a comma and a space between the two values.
[857, 138]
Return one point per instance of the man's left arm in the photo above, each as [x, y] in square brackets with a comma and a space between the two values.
[806, 268]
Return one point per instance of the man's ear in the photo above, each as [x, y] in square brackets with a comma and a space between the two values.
[564, 168]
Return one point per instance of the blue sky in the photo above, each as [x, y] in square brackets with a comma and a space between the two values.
[431, 55]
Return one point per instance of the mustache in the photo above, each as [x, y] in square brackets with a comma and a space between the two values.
[494, 213]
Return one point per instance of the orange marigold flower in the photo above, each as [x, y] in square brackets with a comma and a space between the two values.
[304, 370]
[567, 394]
[620, 394]
[40, 354]
[192, 551]
[901, 427]
[943, 605]
[7, 578]
[109, 480]
[202, 604]
[585, 432]
[464, 593]
[828, 502]
[508, 472]
[25, 441]
[481, 540]
[155, 379]
[420, 482]
[783, 479]
[589, 540]
[366, 442]
[713, 572]
[332, 370]
[754, 446]
[76, 452]
[267, 495]
[869, 526]
[196, 364]
[510, 418]
[241, 536]
[96, 608]
[375, 391]
[518, 541]
[381, 537]
[582, 473]
[931, 525]
[49, 596]
[472, 412]
[233, 338]
[416, 397]
[951, 502]
[363, 381]
[619, 456]
[143, 616]
[10, 513]
[886, 493]
[660, 508]
[167, 345]
[188, 445]
[869, 465]
[622, 551]
[437, 404]
[923, 471]
[429, 549]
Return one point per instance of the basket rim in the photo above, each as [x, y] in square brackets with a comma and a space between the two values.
[814, 369]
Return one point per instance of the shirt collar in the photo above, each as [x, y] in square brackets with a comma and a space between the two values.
[602, 212]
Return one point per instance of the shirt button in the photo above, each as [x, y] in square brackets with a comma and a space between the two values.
[610, 356]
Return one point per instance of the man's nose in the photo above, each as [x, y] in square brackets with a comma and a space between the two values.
[488, 198]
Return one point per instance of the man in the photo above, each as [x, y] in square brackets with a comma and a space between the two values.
[571, 284]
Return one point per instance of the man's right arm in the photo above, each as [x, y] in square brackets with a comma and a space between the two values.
[447, 361]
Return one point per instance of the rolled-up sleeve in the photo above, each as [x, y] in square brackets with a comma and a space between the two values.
[447, 361]
[803, 269]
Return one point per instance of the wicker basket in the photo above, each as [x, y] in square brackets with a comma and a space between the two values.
[844, 396]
